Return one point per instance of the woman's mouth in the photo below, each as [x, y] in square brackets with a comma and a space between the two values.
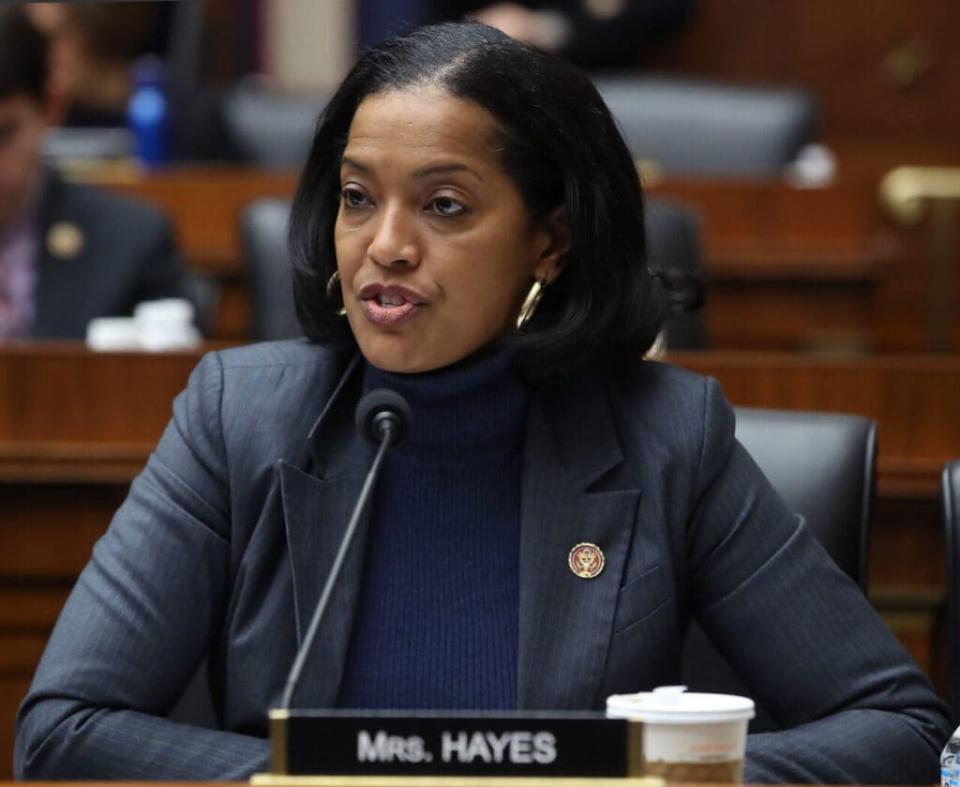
[389, 306]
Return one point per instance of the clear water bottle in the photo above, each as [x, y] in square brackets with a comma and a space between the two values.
[148, 113]
[950, 761]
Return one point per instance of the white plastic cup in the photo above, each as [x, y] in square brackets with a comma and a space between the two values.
[113, 334]
[166, 325]
[689, 737]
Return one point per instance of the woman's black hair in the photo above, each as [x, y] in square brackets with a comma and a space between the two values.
[560, 146]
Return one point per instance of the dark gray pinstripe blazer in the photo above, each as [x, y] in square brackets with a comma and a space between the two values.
[222, 547]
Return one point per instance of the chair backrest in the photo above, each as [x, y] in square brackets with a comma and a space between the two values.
[709, 128]
[263, 231]
[950, 497]
[822, 465]
[272, 128]
[673, 243]
[685, 126]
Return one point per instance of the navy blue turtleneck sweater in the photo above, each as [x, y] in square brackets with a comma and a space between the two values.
[436, 625]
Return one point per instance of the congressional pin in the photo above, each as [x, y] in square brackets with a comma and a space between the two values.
[65, 240]
[586, 560]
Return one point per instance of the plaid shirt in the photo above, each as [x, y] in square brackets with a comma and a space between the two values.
[18, 277]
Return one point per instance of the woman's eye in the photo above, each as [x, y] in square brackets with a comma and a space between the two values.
[446, 206]
[353, 198]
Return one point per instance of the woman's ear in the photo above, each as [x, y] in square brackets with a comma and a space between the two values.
[555, 233]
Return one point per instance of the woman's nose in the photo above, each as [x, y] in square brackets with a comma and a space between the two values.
[395, 241]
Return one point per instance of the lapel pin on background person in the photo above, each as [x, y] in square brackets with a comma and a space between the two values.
[65, 240]
[586, 560]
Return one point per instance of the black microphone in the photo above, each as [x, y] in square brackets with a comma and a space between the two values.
[382, 412]
[384, 417]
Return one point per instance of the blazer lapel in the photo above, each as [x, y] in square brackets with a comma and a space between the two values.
[56, 291]
[317, 506]
[568, 497]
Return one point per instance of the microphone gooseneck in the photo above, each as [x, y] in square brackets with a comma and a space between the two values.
[384, 417]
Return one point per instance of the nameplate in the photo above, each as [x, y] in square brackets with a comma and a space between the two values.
[310, 742]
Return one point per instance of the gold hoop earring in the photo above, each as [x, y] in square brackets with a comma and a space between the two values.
[530, 303]
[331, 288]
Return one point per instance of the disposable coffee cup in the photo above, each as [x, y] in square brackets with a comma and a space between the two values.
[689, 737]
[166, 324]
[113, 334]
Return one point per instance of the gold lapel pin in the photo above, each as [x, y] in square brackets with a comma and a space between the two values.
[586, 560]
[65, 240]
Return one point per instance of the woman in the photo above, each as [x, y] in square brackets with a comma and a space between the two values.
[470, 220]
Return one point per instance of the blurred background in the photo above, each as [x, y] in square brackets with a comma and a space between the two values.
[808, 104]
[801, 160]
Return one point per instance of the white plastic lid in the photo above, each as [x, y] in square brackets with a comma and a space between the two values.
[166, 325]
[113, 333]
[674, 705]
[164, 310]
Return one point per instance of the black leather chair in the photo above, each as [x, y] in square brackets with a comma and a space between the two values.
[685, 126]
[263, 231]
[271, 128]
[822, 464]
[673, 245]
[673, 240]
[689, 127]
[950, 497]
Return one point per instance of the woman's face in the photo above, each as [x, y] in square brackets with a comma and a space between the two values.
[435, 248]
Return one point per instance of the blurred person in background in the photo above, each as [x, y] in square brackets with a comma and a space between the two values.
[91, 48]
[68, 253]
[590, 33]
[94, 51]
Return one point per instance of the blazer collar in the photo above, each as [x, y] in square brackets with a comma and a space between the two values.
[318, 501]
[570, 493]
[57, 273]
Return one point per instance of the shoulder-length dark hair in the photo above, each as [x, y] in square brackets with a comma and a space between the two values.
[560, 146]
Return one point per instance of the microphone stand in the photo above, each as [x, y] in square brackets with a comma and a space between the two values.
[389, 437]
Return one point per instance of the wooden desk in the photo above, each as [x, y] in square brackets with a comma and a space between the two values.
[915, 400]
[76, 426]
[813, 268]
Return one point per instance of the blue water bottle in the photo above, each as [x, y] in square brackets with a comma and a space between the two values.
[148, 113]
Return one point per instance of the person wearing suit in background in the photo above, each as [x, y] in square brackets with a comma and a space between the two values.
[68, 253]
[590, 33]
[95, 48]
[468, 231]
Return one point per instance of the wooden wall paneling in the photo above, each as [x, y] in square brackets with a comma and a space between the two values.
[58, 391]
[48, 530]
[75, 427]
[805, 264]
[47, 533]
[825, 265]
[882, 70]
[913, 398]
[789, 315]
